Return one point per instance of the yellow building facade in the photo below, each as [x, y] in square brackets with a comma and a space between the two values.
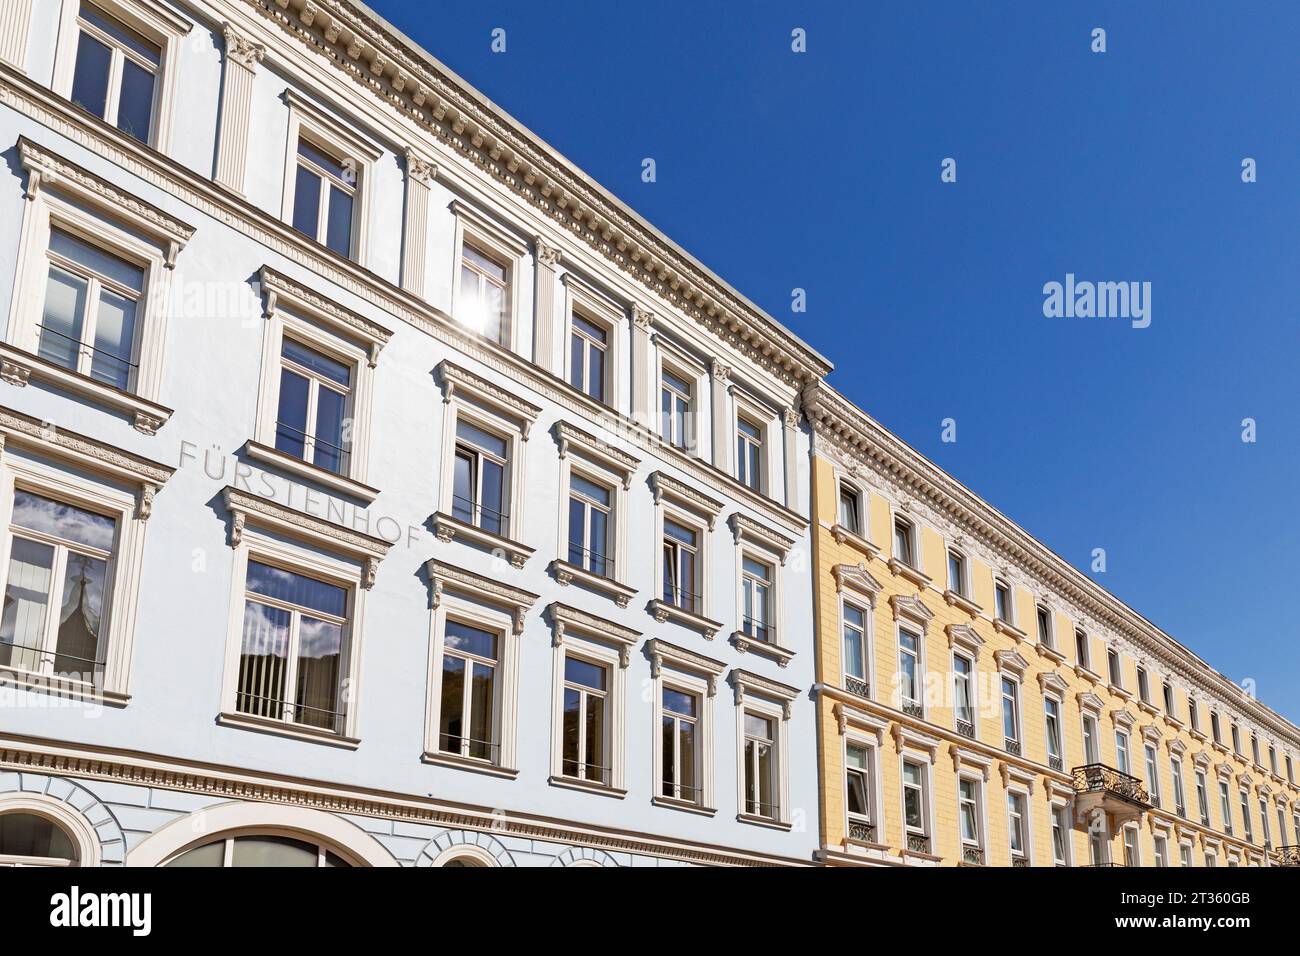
[981, 702]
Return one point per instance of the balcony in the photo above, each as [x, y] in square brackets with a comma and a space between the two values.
[972, 855]
[1013, 746]
[966, 729]
[1287, 856]
[1101, 787]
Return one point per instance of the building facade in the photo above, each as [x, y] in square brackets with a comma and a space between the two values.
[376, 489]
[981, 702]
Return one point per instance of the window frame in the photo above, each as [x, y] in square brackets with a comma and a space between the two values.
[676, 362]
[846, 488]
[1060, 814]
[757, 543]
[912, 534]
[980, 815]
[926, 786]
[687, 672]
[872, 787]
[600, 309]
[766, 420]
[681, 504]
[1025, 813]
[774, 702]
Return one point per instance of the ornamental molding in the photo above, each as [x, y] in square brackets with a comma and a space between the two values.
[970, 759]
[565, 618]
[745, 682]
[858, 578]
[965, 637]
[420, 168]
[95, 456]
[1051, 682]
[1011, 662]
[250, 509]
[908, 738]
[912, 608]
[847, 716]
[1122, 719]
[572, 438]
[665, 487]
[49, 170]
[276, 286]
[410, 81]
[448, 577]
[747, 529]
[1012, 773]
[456, 378]
[857, 442]
[661, 652]
[1091, 703]
[240, 49]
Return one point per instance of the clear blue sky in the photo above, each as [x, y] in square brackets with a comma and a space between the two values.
[821, 171]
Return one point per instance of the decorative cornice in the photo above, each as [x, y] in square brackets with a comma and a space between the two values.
[857, 577]
[462, 121]
[745, 682]
[964, 636]
[565, 618]
[420, 168]
[602, 452]
[665, 486]
[448, 577]
[912, 608]
[456, 378]
[276, 286]
[48, 169]
[1052, 682]
[747, 529]
[662, 652]
[1011, 662]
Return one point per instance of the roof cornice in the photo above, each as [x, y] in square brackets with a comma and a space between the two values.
[835, 419]
[374, 54]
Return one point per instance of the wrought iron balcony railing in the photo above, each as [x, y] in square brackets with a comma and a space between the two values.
[966, 728]
[862, 831]
[1287, 855]
[1099, 778]
[918, 843]
[1055, 762]
[972, 855]
[1013, 746]
[1020, 861]
[856, 685]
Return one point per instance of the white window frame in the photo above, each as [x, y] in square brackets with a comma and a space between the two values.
[689, 673]
[1151, 770]
[873, 818]
[773, 701]
[844, 487]
[681, 504]
[675, 360]
[1057, 699]
[63, 196]
[764, 546]
[914, 536]
[972, 682]
[767, 421]
[504, 243]
[963, 585]
[923, 760]
[1026, 825]
[604, 312]
[855, 587]
[1000, 583]
[981, 816]
[1060, 811]
[1184, 854]
[1160, 849]
[352, 150]
[1132, 843]
[1005, 678]
[151, 20]
[293, 311]
[1180, 791]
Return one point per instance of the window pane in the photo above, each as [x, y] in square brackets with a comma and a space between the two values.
[273, 851]
[297, 589]
[331, 409]
[756, 569]
[123, 34]
[90, 76]
[26, 834]
[451, 710]
[488, 442]
[597, 541]
[463, 490]
[578, 671]
[314, 361]
[679, 703]
[135, 105]
[591, 490]
[589, 329]
[595, 754]
[470, 640]
[854, 664]
[61, 520]
[675, 531]
[686, 761]
[80, 617]
[320, 648]
[596, 374]
[291, 417]
[263, 661]
[570, 732]
[306, 202]
[22, 626]
[326, 162]
[65, 309]
[492, 505]
[577, 532]
[480, 712]
[577, 360]
[485, 265]
[338, 234]
[756, 726]
[114, 336]
[97, 260]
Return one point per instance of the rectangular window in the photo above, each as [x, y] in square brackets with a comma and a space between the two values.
[1290, 772]
[1272, 759]
[1091, 753]
[588, 350]
[756, 587]
[314, 407]
[1131, 857]
[963, 673]
[1211, 860]
[850, 509]
[1185, 855]
[1112, 664]
[749, 453]
[858, 793]
[968, 812]
[57, 589]
[905, 542]
[1214, 728]
[1236, 739]
[909, 670]
[1002, 600]
[324, 196]
[1018, 828]
[1052, 716]
[681, 754]
[467, 722]
[915, 815]
[585, 721]
[1061, 836]
[484, 303]
[855, 650]
[681, 572]
[1246, 824]
[1169, 698]
[675, 410]
[1144, 685]
[957, 572]
[1176, 771]
[590, 528]
[1153, 775]
[1121, 752]
[1011, 714]
[92, 298]
[1254, 750]
[1081, 648]
[1225, 807]
[1044, 620]
[479, 479]
[293, 654]
[760, 766]
[116, 72]
[1193, 714]
[1161, 850]
[1264, 826]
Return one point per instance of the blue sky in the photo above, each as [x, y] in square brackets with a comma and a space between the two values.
[822, 171]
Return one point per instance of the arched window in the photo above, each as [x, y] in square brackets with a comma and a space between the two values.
[28, 839]
[464, 861]
[258, 850]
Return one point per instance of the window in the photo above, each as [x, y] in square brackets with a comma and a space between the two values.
[1081, 648]
[1018, 827]
[29, 839]
[909, 671]
[1272, 759]
[855, 649]
[1236, 739]
[116, 72]
[1264, 827]
[851, 509]
[1247, 827]
[467, 714]
[916, 814]
[1161, 845]
[92, 299]
[1131, 855]
[1185, 855]
[905, 541]
[679, 719]
[588, 349]
[259, 850]
[1091, 753]
[315, 394]
[1052, 717]
[1202, 798]
[1214, 728]
[858, 793]
[1290, 773]
[1211, 859]
[963, 673]
[756, 585]
[681, 568]
[760, 766]
[1002, 600]
[675, 410]
[968, 813]
[325, 196]
[1112, 664]
[586, 753]
[1225, 807]
[293, 659]
[1061, 836]
[1169, 698]
[684, 519]
[58, 589]
[749, 453]
[485, 291]
[479, 489]
[1193, 714]
[1011, 714]
[1176, 772]
[957, 572]
[1144, 685]
[1254, 750]
[1046, 635]
[1153, 776]
[1121, 752]
[589, 525]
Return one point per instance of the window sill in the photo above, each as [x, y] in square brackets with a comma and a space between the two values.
[1148, 708]
[768, 822]
[843, 535]
[1196, 735]
[1082, 672]
[61, 687]
[744, 643]
[18, 366]
[313, 473]
[904, 570]
[918, 855]
[566, 573]
[1006, 627]
[280, 728]
[467, 763]
[1221, 748]
[1119, 692]
[965, 603]
[1051, 653]
[664, 611]
[448, 529]
[669, 803]
[586, 786]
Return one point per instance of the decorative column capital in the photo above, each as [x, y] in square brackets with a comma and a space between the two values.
[547, 254]
[241, 50]
[420, 169]
[720, 371]
[642, 318]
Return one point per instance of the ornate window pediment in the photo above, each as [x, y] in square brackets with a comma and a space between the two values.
[856, 577]
[911, 608]
[965, 637]
[1011, 662]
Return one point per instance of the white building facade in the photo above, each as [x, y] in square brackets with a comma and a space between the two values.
[376, 489]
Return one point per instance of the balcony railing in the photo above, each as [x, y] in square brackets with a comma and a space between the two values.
[1055, 762]
[913, 708]
[1099, 778]
[856, 685]
[1287, 855]
[918, 843]
[1020, 861]
[972, 855]
[862, 832]
[966, 729]
[1013, 747]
